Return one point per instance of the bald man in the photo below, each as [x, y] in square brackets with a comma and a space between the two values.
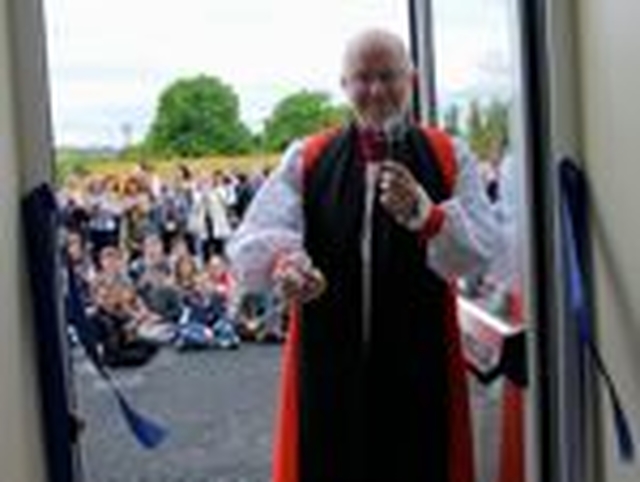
[364, 228]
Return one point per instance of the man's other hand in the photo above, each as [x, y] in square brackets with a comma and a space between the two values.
[297, 278]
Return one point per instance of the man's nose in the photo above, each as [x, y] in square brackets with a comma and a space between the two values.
[377, 86]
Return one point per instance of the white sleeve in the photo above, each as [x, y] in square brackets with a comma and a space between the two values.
[470, 237]
[272, 224]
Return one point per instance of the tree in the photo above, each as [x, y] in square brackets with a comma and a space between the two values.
[475, 129]
[497, 126]
[451, 120]
[196, 117]
[298, 115]
[488, 129]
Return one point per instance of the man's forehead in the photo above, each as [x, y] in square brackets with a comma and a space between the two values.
[375, 47]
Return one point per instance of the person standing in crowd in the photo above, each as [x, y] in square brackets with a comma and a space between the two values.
[221, 198]
[104, 211]
[364, 228]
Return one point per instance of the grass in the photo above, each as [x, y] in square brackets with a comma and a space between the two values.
[86, 164]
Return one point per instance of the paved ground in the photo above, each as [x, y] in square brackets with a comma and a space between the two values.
[219, 408]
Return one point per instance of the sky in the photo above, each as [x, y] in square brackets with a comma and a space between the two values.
[110, 60]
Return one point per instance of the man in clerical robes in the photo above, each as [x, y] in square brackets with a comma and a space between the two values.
[364, 229]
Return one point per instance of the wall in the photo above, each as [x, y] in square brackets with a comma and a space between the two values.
[609, 46]
[20, 447]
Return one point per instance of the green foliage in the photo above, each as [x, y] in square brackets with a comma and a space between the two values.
[298, 115]
[197, 117]
[487, 129]
[135, 152]
[497, 124]
[78, 162]
[451, 120]
[475, 128]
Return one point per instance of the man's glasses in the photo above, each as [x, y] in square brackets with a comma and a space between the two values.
[386, 78]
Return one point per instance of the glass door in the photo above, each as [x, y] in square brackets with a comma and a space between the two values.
[469, 57]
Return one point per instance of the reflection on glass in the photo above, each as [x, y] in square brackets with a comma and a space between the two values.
[475, 83]
[474, 89]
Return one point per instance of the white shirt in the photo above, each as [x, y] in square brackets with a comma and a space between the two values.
[469, 239]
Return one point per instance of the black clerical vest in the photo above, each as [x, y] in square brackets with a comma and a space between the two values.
[373, 410]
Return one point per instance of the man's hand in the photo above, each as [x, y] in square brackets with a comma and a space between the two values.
[297, 278]
[401, 195]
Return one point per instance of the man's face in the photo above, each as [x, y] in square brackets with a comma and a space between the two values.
[378, 83]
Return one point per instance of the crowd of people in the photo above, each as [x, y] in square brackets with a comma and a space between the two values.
[148, 255]
[148, 251]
